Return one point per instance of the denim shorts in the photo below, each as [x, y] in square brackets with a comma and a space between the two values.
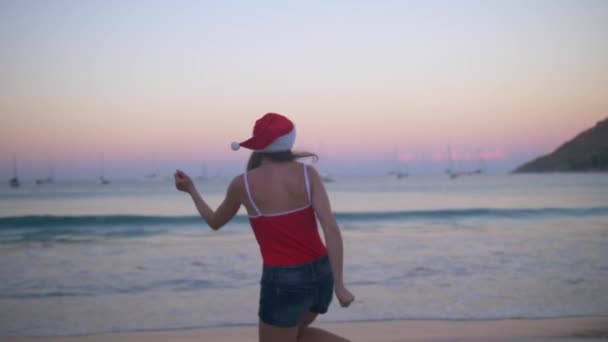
[289, 292]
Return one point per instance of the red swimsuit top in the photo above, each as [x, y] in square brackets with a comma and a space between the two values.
[290, 237]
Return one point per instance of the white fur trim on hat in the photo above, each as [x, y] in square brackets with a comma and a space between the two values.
[282, 143]
[235, 145]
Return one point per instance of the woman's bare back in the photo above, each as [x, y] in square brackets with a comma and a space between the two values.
[277, 187]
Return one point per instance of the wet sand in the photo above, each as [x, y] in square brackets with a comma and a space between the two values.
[561, 329]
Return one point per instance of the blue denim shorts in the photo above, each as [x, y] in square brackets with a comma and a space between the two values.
[289, 292]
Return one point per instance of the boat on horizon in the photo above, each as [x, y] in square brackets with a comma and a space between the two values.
[102, 178]
[151, 177]
[398, 174]
[14, 182]
[49, 178]
[398, 166]
[456, 174]
[327, 178]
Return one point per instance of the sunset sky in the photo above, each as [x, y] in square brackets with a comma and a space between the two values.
[156, 85]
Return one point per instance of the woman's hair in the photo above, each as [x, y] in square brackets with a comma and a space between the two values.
[255, 160]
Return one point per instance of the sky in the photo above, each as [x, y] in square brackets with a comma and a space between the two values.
[134, 87]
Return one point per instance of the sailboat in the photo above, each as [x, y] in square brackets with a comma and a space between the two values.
[327, 178]
[399, 174]
[397, 171]
[152, 176]
[14, 182]
[455, 174]
[49, 177]
[102, 179]
[481, 164]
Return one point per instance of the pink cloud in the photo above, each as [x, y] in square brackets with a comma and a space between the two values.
[439, 156]
[496, 154]
[406, 157]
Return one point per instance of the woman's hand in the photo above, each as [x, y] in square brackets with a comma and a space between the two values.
[183, 182]
[344, 296]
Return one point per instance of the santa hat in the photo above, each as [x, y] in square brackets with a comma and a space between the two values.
[272, 133]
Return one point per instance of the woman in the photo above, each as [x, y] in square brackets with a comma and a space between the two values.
[283, 199]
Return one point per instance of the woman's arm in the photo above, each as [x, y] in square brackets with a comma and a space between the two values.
[229, 207]
[333, 237]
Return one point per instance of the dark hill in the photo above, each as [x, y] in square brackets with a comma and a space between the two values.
[588, 151]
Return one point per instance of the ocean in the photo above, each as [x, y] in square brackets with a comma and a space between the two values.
[82, 258]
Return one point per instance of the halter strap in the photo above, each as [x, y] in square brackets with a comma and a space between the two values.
[258, 212]
[307, 183]
[249, 195]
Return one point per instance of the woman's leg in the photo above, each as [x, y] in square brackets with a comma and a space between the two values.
[271, 333]
[301, 333]
[309, 317]
[305, 333]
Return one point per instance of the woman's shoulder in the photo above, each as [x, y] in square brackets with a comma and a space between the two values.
[311, 171]
[309, 168]
[238, 182]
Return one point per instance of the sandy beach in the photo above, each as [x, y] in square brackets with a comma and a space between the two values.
[561, 329]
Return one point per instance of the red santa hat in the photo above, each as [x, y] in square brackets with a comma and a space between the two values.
[272, 133]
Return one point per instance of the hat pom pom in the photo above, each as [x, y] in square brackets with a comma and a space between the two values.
[235, 145]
